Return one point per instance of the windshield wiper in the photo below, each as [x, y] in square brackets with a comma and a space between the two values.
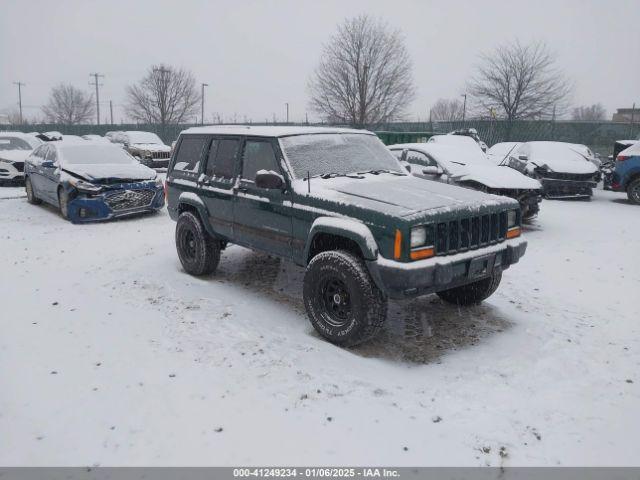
[382, 170]
[334, 175]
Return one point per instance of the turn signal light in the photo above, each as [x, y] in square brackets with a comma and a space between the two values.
[622, 158]
[422, 253]
[513, 232]
[397, 247]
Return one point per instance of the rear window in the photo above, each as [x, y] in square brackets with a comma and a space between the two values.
[189, 153]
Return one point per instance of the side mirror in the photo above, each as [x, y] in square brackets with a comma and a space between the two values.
[48, 164]
[524, 158]
[269, 180]
[433, 170]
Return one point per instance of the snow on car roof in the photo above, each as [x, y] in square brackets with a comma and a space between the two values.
[633, 150]
[448, 153]
[269, 131]
[461, 141]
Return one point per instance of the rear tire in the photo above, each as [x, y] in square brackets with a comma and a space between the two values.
[342, 301]
[31, 194]
[198, 251]
[472, 293]
[633, 191]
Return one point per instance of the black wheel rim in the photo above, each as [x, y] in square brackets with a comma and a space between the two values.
[336, 301]
[188, 244]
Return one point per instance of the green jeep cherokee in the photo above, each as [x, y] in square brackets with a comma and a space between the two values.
[339, 203]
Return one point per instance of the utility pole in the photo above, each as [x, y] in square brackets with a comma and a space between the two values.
[464, 107]
[202, 104]
[20, 85]
[287, 105]
[97, 84]
[111, 110]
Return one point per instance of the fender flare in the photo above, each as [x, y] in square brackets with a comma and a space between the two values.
[193, 200]
[344, 227]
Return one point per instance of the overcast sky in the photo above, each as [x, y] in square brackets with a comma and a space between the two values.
[257, 55]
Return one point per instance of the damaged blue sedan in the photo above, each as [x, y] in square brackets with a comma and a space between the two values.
[89, 181]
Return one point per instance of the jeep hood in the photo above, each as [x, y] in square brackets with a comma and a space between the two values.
[15, 155]
[105, 171]
[494, 176]
[400, 196]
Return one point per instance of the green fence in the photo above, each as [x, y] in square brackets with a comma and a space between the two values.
[597, 135]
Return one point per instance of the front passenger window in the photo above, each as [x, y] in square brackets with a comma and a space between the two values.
[258, 155]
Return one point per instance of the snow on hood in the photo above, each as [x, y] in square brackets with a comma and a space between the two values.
[494, 176]
[152, 147]
[15, 155]
[397, 195]
[559, 157]
[104, 171]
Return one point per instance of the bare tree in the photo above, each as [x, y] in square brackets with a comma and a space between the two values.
[591, 113]
[447, 110]
[364, 75]
[68, 105]
[165, 95]
[518, 82]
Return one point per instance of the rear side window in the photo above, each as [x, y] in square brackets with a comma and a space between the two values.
[189, 153]
[258, 155]
[222, 159]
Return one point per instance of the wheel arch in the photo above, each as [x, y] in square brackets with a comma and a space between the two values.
[330, 233]
[188, 201]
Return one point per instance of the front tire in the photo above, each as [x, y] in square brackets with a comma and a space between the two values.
[31, 194]
[472, 293]
[343, 303]
[633, 191]
[63, 202]
[198, 251]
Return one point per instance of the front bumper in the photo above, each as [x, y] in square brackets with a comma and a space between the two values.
[11, 171]
[406, 280]
[554, 188]
[105, 206]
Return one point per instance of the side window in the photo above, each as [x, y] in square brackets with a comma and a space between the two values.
[189, 153]
[419, 158]
[40, 152]
[258, 155]
[226, 155]
[51, 154]
[211, 158]
[397, 153]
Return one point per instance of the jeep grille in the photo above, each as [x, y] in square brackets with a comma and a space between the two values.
[470, 233]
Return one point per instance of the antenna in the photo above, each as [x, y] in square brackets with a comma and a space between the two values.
[308, 182]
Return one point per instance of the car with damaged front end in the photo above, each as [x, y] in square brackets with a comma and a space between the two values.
[90, 182]
[338, 203]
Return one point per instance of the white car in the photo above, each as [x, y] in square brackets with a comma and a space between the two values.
[469, 167]
[97, 139]
[587, 153]
[563, 172]
[460, 141]
[15, 147]
[499, 153]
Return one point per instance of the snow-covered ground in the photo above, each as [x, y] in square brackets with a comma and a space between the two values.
[110, 354]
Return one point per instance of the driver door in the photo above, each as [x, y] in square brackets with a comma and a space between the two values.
[262, 217]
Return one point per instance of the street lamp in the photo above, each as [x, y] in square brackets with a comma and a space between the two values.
[464, 107]
[202, 104]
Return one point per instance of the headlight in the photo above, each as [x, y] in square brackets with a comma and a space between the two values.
[2, 160]
[147, 153]
[159, 182]
[418, 236]
[85, 187]
[512, 218]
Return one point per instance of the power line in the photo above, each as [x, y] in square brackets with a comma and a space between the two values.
[97, 84]
[20, 85]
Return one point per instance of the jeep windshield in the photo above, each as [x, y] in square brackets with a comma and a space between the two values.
[335, 154]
